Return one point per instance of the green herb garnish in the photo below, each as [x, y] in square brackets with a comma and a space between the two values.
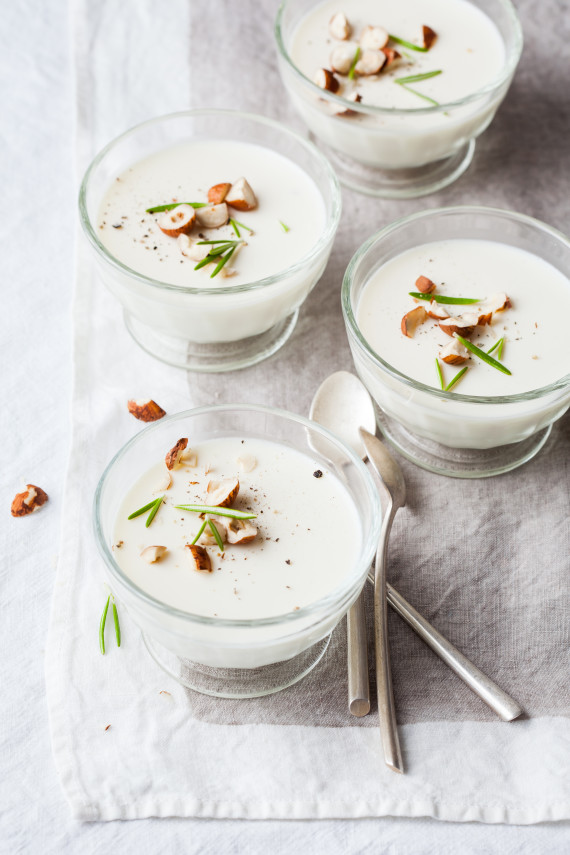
[117, 627]
[153, 513]
[158, 208]
[456, 379]
[221, 249]
[497, 344]
[235, 223]
[482, 355]
[102, 625]
[439, 374]
[500, 350]
[438, 298]
[284, 227]
[406, 44]
[417, 78]
[216, 534]
[141, 510]
[221, 512]
[103, 621]
[353, 65]
[200, 532]
[222, 261]
[152, 507]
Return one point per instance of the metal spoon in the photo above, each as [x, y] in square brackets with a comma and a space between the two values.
[394, 489]
[342, 404]
[340, 400]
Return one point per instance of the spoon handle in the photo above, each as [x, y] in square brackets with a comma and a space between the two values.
[478, 682]
[358, 682]
[386, 707]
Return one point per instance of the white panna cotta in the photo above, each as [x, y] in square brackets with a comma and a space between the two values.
[466, 56]
[307, 533]
[534, 347]
[264, 200]
[285, 223]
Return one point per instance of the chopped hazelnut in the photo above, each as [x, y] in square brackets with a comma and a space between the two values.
[145, 410]
[30, 500]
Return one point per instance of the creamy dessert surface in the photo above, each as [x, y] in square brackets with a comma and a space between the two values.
[308, 531]
[535, 342]
[287, 222]
[468, 50]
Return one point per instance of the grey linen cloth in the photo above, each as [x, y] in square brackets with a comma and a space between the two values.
[486, 561]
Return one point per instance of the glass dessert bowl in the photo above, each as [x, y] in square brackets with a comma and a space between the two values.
[403, 140]
[259, 201]
[248, 609]
[486, 420]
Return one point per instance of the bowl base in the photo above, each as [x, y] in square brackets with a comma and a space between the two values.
[237, 682]
[459, 462]
[398, 183]
[213, 357]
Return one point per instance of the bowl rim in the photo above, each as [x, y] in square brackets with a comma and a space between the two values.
[508, 69]
[334, 598]
[327, 235]
[354, 330]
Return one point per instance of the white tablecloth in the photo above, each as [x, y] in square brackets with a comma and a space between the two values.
[38, 231]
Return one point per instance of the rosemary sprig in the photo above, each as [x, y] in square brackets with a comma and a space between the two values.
[222, 261]
[284, 227]
[481, 354]
[456, 379]
[216, 534]
[200, 532]
[117, 627]
[221, 249]
[141, 510]
[153, 513]
[103, 622]
[221, 512]
[439, 298]
[102, 626]
[417, 78]
[236, 225]
[406, 44]
[158, 208]
[439, 374]
[353, 65]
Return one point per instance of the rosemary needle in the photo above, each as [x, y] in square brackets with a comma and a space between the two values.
[117, 627]
[482, 355]
[234, 226]
[158, 208]
[216, 534]
[141, 510]
[284, 227]
[439, 298]
[153, 513]
[200, 532]
[439, 374]
[495, 346]
[102, 626]
[353, 66]
[457, 377]
[406, 44]
[221, 512]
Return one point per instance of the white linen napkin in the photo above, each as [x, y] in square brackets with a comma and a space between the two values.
[129, 742]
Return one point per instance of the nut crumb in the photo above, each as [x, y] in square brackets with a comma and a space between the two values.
[108, 726]
[317, 473]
